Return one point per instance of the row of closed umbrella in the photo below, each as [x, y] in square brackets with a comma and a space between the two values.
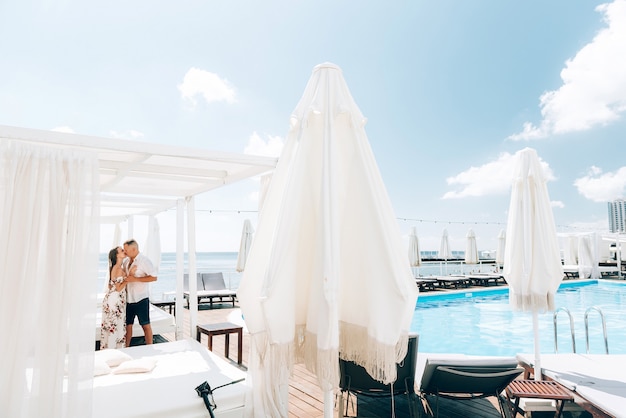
[471, 249]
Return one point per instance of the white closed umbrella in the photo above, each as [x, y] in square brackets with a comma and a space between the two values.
[500, 248]
[244, 245]
[415, 258]
[471, 248]
[327, 275]
[444, 248]
[532, 261]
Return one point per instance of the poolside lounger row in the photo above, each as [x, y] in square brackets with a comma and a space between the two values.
[458, 281]
[212, 287]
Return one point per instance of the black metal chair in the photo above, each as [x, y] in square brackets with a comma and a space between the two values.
[467, 378]
[355, 379]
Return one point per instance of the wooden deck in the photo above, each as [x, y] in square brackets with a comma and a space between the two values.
[305, 396]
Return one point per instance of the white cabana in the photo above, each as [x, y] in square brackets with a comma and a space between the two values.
[56, 188]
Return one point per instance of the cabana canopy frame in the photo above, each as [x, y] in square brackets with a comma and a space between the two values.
[141, 178]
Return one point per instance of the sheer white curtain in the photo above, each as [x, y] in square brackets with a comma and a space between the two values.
[49, 212]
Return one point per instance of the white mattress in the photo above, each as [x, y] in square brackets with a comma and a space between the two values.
[169, 389]
[599, 378]
[162, 323]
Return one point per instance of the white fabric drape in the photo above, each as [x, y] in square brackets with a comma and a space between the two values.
[244, 245]
[588, 259]
[117, 236]
[327, 274]
[152, 247]
[48, 272]
[570, 252]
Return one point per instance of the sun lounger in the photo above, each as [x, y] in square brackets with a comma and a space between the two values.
[597, 380]
[211, 287]
[486, 279]
[453, 281]
[570, 271]
[425, 283]
[466, 377]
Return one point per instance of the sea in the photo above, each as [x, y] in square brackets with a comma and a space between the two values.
[165, 286]
[226, 262]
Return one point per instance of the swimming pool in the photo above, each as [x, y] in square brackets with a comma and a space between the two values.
[482, 323]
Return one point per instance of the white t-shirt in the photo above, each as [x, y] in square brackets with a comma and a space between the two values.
[139, 290]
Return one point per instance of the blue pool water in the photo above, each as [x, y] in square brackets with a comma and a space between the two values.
[482, 323]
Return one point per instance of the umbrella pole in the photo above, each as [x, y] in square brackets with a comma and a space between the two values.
[328, 404]
[537, 350]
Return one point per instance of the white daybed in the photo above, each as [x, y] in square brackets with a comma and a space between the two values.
[169, 389]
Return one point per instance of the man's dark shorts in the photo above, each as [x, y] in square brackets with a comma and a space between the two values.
[140, 309]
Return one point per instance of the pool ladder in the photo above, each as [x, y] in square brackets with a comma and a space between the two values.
[571, 326]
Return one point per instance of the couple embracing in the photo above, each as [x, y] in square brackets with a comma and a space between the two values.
[127, 296]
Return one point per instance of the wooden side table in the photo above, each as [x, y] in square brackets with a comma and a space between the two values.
[539, 389]
[222, 328]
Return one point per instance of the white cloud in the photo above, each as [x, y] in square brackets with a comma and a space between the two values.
[594, 83]
[206, 84]
[601, 187]
[270, 148]
[557, 204]
[491, 178]
[129, 134]
[65, 129]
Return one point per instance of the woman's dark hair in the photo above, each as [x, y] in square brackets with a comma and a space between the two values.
[112, 259]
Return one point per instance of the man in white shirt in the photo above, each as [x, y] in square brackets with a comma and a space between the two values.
[140, 272]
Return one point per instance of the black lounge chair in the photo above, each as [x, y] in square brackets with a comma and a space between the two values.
[463, 378]
[355, 379]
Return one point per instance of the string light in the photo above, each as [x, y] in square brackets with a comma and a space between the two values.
[433, 221]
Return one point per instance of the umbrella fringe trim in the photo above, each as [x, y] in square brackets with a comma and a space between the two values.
[378, 359]
[323, 363]
[529, 303]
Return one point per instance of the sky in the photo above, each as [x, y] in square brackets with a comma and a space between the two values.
[451, 91]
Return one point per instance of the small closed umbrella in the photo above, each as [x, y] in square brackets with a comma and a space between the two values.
[500, 248]
[415, 258]
[471, 249]
[244, 245]
[444, 248]
[570, 252]
[532, 261]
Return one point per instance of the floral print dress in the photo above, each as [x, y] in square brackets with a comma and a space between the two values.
[113, 330]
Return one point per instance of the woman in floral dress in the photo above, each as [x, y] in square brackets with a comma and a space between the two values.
[113, 330]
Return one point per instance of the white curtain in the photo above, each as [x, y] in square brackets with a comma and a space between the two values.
[152, 247]
[49, 210]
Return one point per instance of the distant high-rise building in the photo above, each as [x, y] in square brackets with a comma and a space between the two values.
[617, 216]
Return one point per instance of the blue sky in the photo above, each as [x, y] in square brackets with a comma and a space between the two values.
[451, 90]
